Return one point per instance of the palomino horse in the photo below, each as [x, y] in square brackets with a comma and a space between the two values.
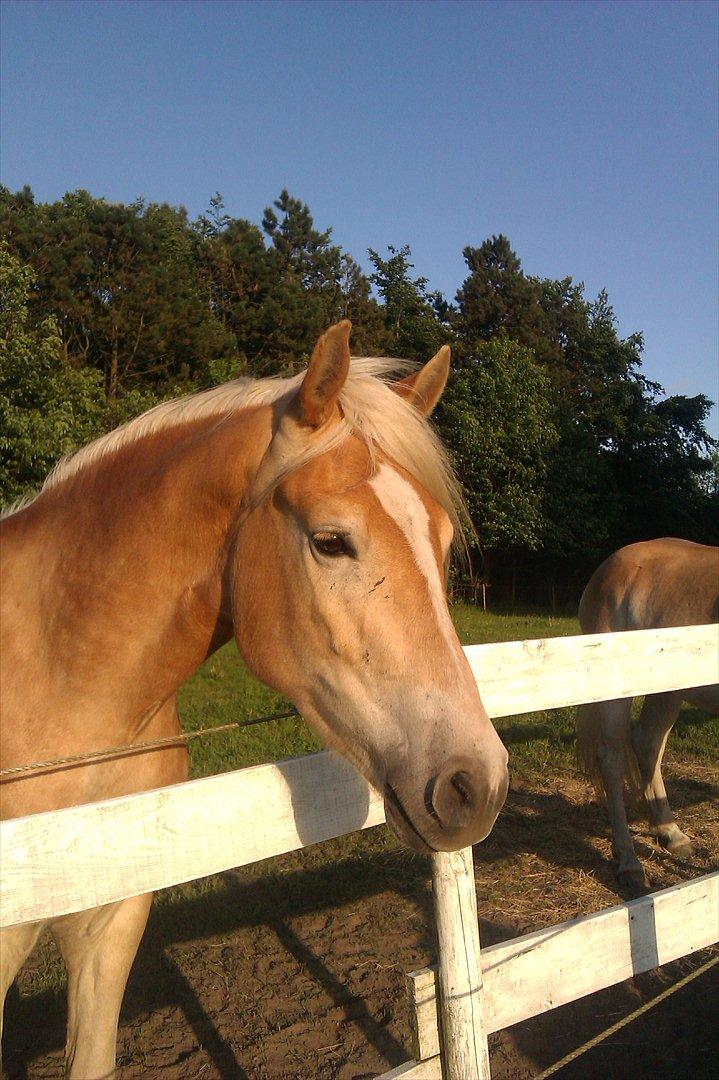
[312, 518]
[657, 583]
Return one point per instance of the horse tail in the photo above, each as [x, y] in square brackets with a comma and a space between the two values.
[590, 726]
[589, 729]
[632, 774]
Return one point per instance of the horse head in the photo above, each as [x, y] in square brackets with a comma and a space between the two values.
[342, 605]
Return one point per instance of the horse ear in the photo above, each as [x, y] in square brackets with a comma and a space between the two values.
[424, 388]
[326, 374]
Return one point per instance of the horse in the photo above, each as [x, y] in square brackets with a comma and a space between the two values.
[666, 582]
[311, 518]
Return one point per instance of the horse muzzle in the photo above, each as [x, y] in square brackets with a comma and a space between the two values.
[458, 805]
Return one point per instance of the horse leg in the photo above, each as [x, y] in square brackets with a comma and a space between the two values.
[611, 751]
[98, 948]
[649, 739]
[16, 944]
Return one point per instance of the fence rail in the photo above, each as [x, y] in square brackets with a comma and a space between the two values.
[67, 860]
[537, 972]
[81, 857]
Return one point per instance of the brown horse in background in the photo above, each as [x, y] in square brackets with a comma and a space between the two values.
[643, 586]
[311, 518]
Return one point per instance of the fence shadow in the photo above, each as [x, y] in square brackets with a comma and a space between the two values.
[678, 1038]
[564, 833]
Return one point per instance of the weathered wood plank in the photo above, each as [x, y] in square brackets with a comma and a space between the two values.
[52, 864]
[549, 673]
[422, 994]
[430, 1069]
[85, 856]
[532, 974]
[462, 1034]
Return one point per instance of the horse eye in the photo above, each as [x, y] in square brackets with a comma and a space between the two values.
[330, 543]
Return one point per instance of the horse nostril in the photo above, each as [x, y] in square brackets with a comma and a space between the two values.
[463, 786]
[454, 798]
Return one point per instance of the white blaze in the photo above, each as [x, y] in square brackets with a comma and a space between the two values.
[402, 503]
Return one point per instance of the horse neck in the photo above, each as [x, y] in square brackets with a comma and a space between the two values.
[124, 565]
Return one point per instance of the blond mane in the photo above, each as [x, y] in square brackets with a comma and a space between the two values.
[384, 420]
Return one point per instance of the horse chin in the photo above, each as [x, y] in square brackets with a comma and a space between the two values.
[401, 824]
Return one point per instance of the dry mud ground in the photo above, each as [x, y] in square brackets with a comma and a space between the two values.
[295, 968]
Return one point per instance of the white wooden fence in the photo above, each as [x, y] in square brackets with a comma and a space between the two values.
[84, 856]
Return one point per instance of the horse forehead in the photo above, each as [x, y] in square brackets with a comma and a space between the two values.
[341, 469]
[389, 497]
[422, 521]
[407, 505]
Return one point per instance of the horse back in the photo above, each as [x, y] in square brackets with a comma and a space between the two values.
[656, 583]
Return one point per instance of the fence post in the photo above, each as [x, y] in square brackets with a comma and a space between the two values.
[462, 1033]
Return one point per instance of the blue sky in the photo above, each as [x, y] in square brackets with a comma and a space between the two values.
[587, 132]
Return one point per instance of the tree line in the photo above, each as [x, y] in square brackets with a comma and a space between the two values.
[565, 449]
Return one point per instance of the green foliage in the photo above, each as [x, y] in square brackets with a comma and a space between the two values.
[497, 418]
[663, 465]
[413, 329]
[497, 298]
[564, 448]
[123, 283]
[626, 465]
[317, 284]
[582, 509]
[47, 406]
[242, 279]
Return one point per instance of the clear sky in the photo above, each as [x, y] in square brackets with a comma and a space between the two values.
[587, 132]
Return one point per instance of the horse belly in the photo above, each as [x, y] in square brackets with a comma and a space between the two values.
[704, 697]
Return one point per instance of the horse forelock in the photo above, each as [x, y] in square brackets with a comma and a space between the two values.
[384, 420]
[391, 428]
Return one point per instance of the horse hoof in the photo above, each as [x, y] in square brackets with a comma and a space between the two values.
[681, 849]
[632, 880]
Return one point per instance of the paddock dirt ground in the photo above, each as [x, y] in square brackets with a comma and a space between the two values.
[295, 968]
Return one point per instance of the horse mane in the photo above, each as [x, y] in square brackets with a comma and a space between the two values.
[370, 409]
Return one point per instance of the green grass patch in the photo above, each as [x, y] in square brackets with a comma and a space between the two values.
[224, 691]
[696, 735]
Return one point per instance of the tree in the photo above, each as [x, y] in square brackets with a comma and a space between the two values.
[362, 309]
[497, 418]
[47, 407]
[242, 280]
[302, 249]
[581, 504]
[413, 327]
[124, 284]
[497, 298]
[627, 463]
[318, 284]
[593, 370]
[662, 464]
